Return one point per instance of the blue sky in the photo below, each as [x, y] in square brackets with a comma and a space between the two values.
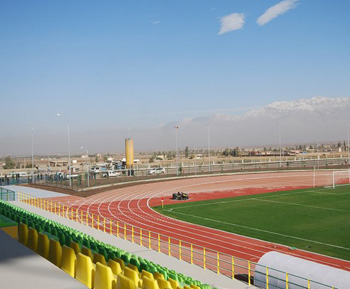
[114, 64]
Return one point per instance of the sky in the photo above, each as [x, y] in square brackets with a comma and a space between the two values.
[115, 69]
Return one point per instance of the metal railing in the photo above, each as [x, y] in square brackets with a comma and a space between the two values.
[7, 195]
[216, 261]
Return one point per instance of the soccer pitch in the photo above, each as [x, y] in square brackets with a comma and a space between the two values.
[315, 219]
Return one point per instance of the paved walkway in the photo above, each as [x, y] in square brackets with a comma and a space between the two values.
[38, 193]
[21, 268]
[195, 272]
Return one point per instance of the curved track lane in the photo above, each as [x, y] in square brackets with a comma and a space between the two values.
[133, 206]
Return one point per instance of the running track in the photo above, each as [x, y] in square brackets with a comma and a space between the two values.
[133, 206]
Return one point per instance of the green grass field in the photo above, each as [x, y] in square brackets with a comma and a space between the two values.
[315, 220]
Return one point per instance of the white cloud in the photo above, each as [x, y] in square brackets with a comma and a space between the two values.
[156, 22]
[276, 10]
[234, 21]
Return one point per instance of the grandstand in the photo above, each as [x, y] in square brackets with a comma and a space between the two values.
[56, 241]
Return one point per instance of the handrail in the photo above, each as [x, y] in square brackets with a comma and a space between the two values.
[216, 261]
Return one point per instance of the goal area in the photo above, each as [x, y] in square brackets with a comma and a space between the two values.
[340, 178]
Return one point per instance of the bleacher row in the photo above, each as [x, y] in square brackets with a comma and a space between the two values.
[92, 262]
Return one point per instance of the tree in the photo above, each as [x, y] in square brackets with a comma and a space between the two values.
[9, 164]
[186, 152]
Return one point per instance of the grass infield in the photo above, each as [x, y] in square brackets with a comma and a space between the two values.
[315, 219]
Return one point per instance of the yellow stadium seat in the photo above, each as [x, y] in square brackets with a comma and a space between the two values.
[104, 278]
[195, 286]
[133, 275]
[158, 275]
[146, 273]
[133, 267]
[68, 262]
[187, 287]
[32, 242]
[75, 246]
[99, 258]
[121, 262]
[115, 266]
[23, 233]
[174, 284]
[124, 282]
[55, 252]
[84, 271]
[148, 283]
[43, 245]
[163, 284]
[86, 251]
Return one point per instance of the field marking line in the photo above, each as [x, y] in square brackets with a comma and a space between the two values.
[265, 231]
[301, 205]
[236, 201]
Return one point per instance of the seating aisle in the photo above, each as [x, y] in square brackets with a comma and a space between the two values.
[22, 268]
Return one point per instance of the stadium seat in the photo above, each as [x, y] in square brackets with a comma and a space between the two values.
[75, 246]
[158, 275]
[121, 262]
[55, 252]
[124, 282]
[43, 245]
[115, 266]
[68, 261]
[23, 233]
[32, 242]
[146, 273]
[86, 252]
[133, 267]
[133, 275]
[163, 284]
[148, 283]
[104, 278]
[174, 284]
[99, 258]
[84, 271]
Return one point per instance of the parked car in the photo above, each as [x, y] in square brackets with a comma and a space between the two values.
[110, 173]
[156, 171]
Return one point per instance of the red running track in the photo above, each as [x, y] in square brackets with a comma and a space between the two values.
[133, 206]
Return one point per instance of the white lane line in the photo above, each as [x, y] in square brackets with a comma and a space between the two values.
[264, 231]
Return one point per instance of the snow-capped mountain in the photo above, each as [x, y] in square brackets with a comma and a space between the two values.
[299, 121]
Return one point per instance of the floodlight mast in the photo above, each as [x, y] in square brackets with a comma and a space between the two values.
[69, 163]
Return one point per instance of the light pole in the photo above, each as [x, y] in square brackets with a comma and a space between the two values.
[32, 153]
[348, 145]
[69, 165]
[177, 154]
[279, 136]
[208, 149]
[87, 167]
